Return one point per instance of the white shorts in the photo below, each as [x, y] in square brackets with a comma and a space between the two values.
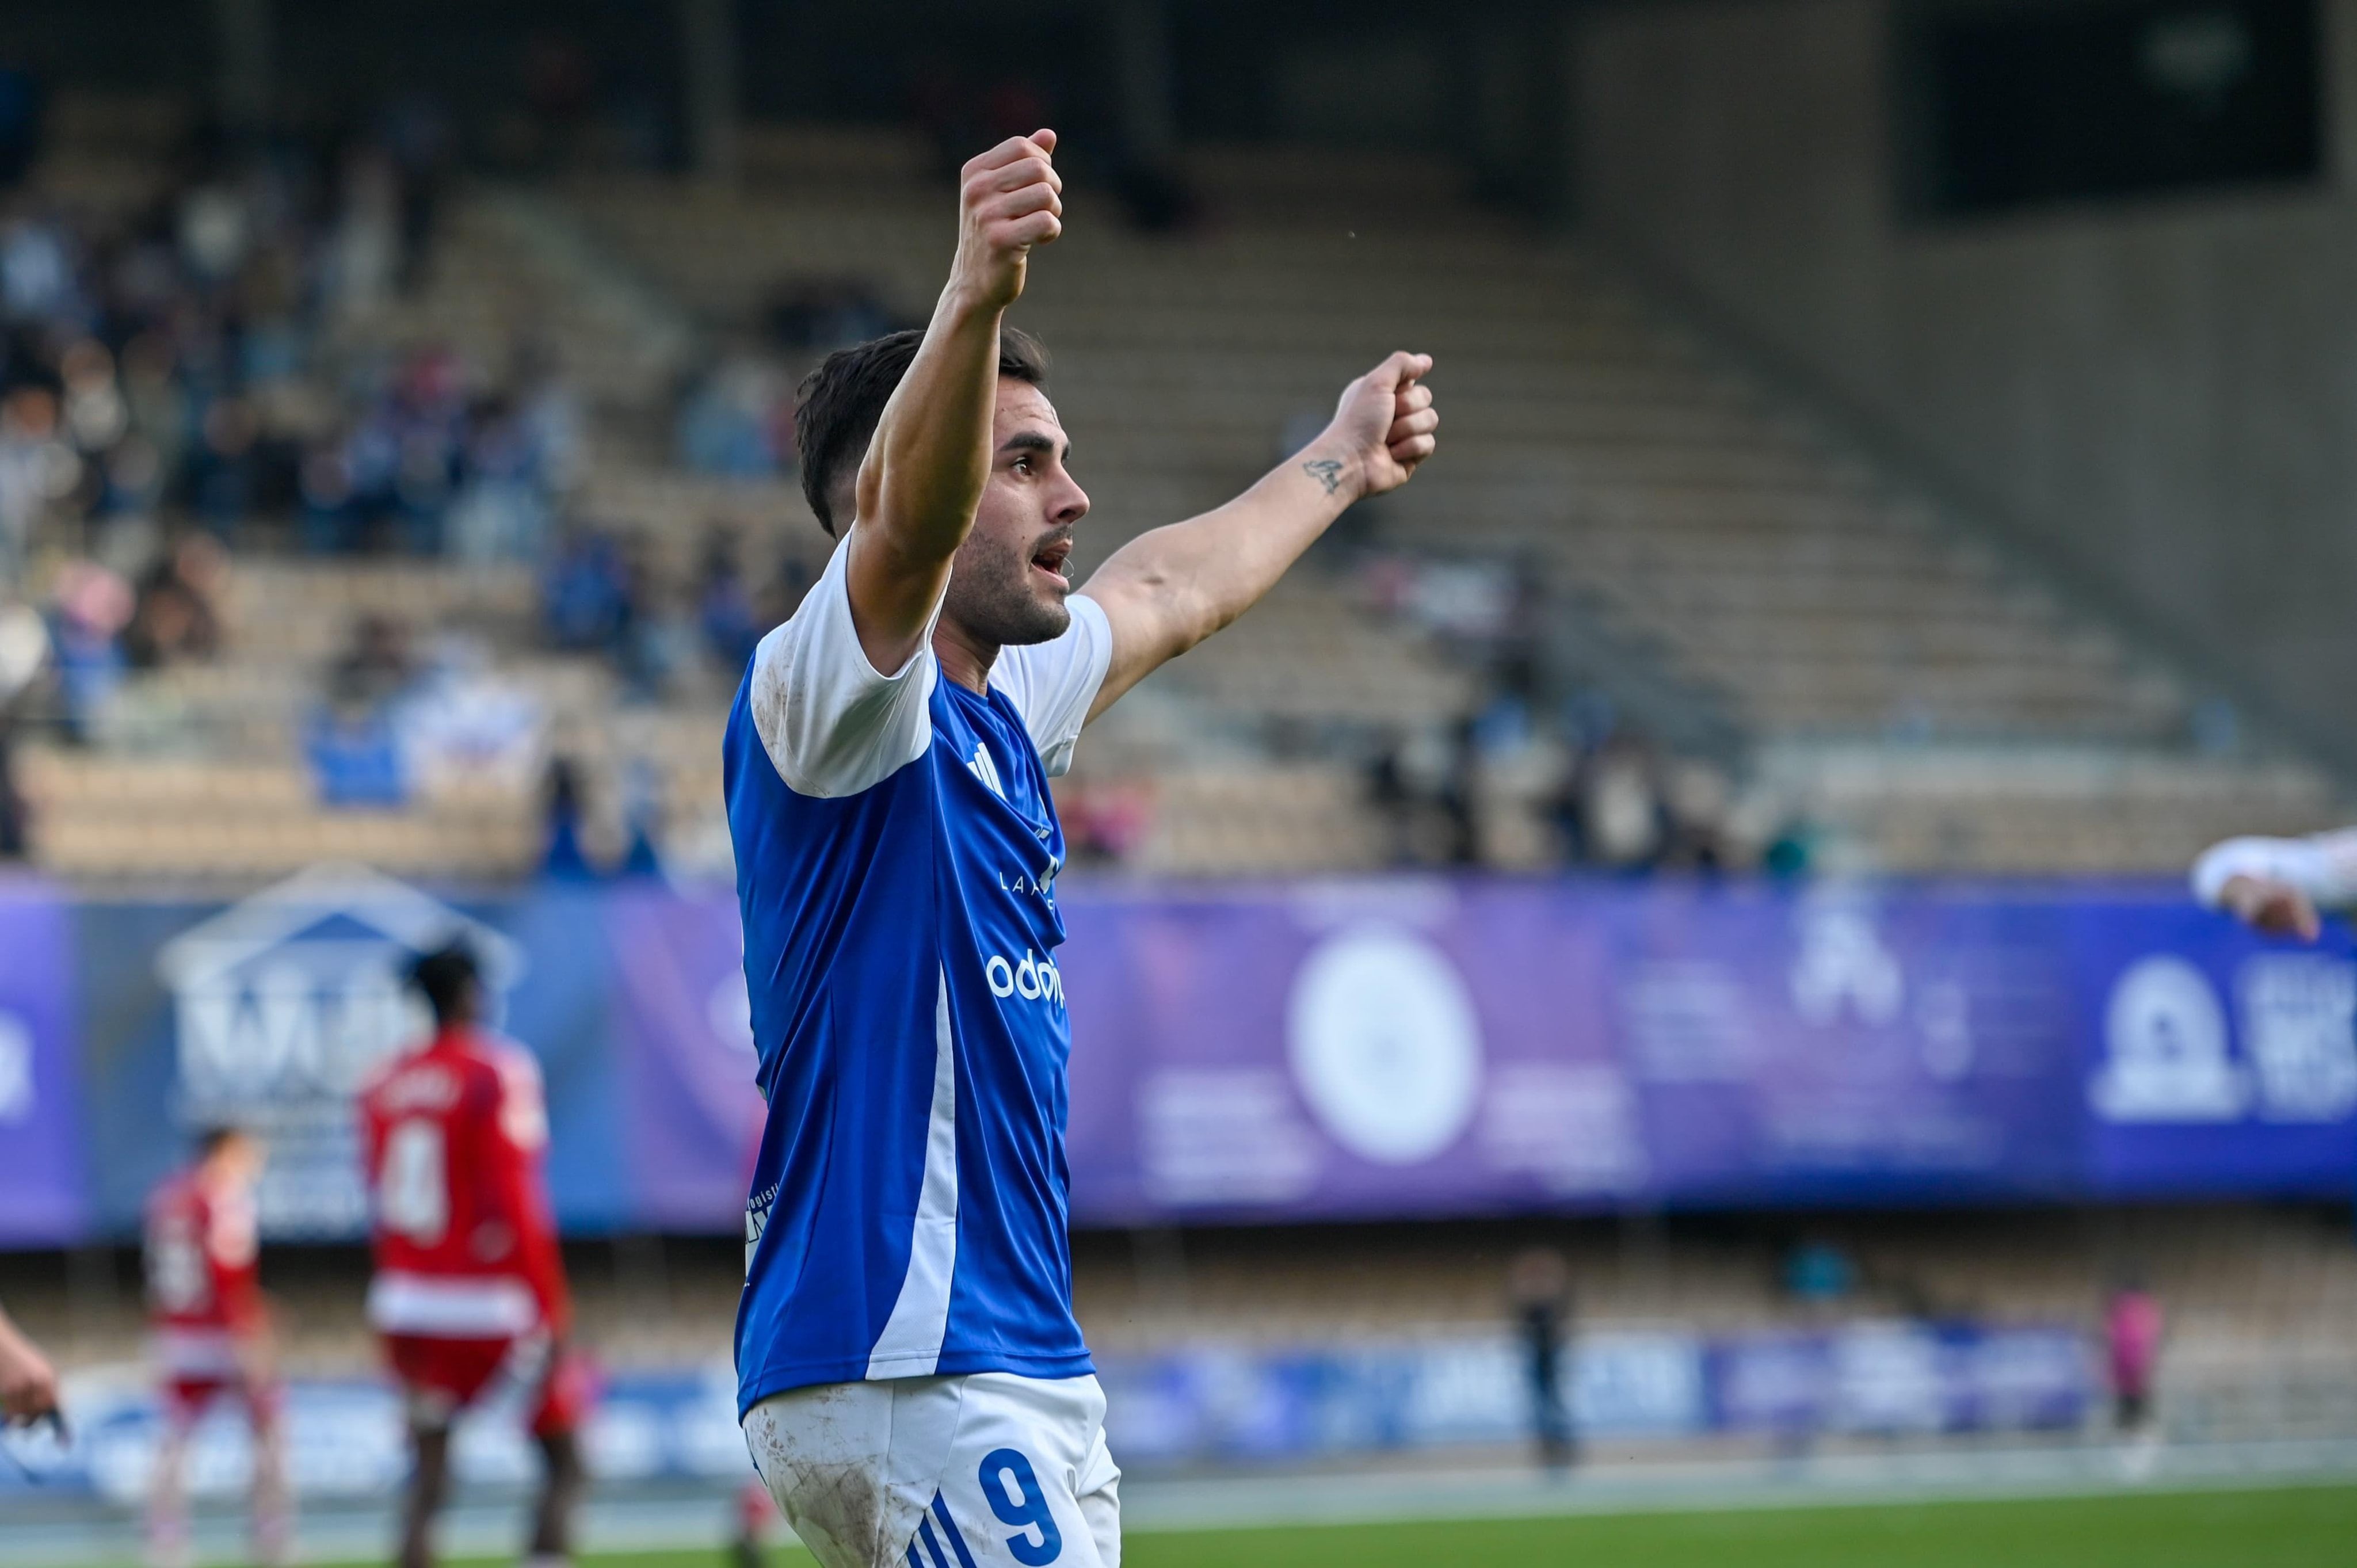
[988, 1470]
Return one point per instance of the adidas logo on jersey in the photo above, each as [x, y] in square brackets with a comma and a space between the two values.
[983, 769]
[1034, 980]
[756, 1221]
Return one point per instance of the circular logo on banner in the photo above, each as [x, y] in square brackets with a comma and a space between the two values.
[1385, 1045]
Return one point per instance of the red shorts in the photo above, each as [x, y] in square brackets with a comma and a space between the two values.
[186, 1399]
[441, 1377]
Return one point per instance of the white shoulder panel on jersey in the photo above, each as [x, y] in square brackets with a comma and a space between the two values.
[1052, 683]
[832, 723]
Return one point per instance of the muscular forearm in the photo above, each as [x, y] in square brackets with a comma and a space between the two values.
[2323, 866]
[1168, 589]
[923, 475]
[925, 470]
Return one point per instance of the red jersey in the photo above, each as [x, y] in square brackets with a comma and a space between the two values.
[452, 1138]
[204, 1273]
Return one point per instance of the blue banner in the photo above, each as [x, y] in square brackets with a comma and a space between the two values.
[272, 1012]
[44, 1201]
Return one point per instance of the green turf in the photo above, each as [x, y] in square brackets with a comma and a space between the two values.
[2293, 1527]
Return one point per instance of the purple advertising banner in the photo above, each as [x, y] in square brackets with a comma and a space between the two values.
[1405, 1047]
[686, 1035]
[44, 1196]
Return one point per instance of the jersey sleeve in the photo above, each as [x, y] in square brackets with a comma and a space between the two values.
[515, 1138]
[2323, 865]
[831, 723]
[1052, 683]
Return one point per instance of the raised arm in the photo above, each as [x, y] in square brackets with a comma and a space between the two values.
[926, 468]
[1168, 590]
[2279, 885]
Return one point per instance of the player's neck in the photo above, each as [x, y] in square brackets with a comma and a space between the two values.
[964, 657]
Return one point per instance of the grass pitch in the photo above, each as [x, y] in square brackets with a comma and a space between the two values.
[2307, 1526]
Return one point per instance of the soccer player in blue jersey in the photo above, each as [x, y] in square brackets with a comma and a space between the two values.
[914, 1388]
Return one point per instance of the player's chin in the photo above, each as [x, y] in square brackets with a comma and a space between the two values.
[1038, 614]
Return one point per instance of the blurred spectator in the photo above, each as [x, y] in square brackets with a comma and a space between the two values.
[1696, 803]
[736, 422]
[585, 594]
[183, 356]
[29, 456]
[13, 843]
[642, 819]
[1538, 1285]
[376, 666]
[1610, 810]
[352, 739]
[174, 618]
[1421, 782]
[416, 135]
[20, 124]
[501, 510]
[363, 252]
[564, 856]
[1817, 1273]
[89, 609]
[724, 606]
[2133, 1327]
[1105, 821]
[1460, 793]
[461, 726]
[783, 596]
[36, 270]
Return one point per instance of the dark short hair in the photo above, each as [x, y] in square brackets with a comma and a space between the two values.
[839, 404]
[215, 1136]
[445, 976]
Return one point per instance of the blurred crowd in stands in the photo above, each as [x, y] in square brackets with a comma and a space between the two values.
[231, 364]
[1607, 794]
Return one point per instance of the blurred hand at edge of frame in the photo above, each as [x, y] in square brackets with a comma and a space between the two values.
[2276, 907]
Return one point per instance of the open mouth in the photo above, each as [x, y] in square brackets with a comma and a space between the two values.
[1053, 558]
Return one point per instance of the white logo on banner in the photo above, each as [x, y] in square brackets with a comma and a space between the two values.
[2166, 1036]
[1385, 1045]
[19, 1097]
[1844, 963]
[283, 1003]
[2300, 1026]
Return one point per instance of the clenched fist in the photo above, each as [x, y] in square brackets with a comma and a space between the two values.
[1009, 200]
[1383, 428]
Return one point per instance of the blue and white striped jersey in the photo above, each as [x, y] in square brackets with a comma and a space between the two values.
[897, 852]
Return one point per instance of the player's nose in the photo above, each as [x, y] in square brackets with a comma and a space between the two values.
[1069, 505]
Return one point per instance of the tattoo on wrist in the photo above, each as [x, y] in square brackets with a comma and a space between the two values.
[1326, 471]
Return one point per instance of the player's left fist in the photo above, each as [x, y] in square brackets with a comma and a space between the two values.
[1384, 428]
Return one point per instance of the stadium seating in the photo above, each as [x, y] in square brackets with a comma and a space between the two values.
[1895, 683]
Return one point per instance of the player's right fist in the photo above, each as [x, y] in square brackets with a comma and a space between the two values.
[1009, 200]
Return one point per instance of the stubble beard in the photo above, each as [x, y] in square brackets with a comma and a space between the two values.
[990, 596]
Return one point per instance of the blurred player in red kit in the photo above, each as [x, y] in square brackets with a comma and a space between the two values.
[210, 1331]
[470, 1290]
